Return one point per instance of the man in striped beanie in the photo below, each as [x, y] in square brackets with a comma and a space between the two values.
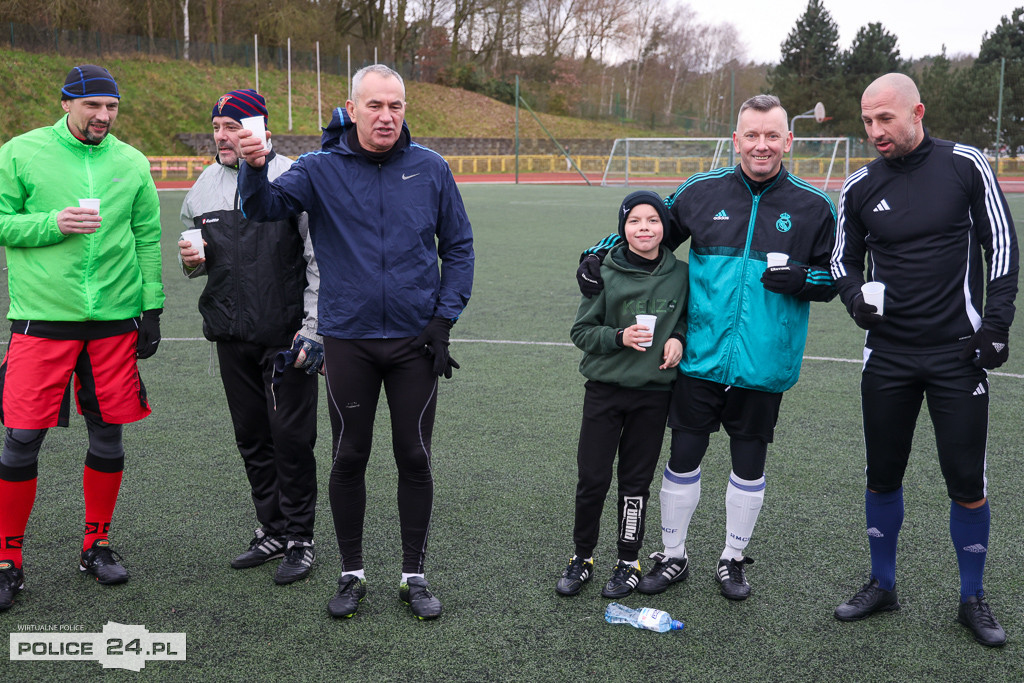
[260, 307]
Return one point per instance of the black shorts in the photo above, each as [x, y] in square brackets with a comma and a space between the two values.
[701, 406]
[893, 386]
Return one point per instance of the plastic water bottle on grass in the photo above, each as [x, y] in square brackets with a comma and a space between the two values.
[645, 617]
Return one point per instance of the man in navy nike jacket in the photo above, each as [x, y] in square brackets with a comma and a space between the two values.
[382, 209]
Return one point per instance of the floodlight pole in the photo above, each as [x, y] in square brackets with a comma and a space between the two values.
[517, 130]
[999, 111]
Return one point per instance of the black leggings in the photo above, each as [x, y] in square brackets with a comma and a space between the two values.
[356, 370]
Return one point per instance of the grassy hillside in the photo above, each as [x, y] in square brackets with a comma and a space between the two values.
[161, 98]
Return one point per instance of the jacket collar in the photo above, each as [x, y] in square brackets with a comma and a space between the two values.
[915, 158]
[747, 181]
[69, 140]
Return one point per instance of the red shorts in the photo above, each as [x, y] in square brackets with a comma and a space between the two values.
[34, 381]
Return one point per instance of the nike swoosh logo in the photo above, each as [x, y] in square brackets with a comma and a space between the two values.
[406, 177]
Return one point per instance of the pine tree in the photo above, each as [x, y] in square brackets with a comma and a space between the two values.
[808, 70]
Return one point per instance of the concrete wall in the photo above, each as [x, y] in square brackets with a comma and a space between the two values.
[294, 145]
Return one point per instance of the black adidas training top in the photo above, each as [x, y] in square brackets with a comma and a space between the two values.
[924, 221]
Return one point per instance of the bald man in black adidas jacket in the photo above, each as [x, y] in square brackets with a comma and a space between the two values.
[936, 230]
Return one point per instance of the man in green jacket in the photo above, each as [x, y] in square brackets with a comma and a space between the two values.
[85, 300]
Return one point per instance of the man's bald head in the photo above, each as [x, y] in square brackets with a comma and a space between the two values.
[892, 113]
[900, 86]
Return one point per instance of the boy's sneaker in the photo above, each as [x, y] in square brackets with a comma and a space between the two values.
[732, 580]
[297, 562]
[868, 600]
[351, 591]
[577, 573]
[625, 577]
[12, 581]
[102, 562]
[262, 548]
[416, 593]
[976, 615]
[665, 572]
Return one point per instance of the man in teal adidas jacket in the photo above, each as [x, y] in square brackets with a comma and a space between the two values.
[746, 328]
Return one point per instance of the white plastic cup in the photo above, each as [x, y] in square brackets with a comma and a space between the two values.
[648, 322]
[195, 236]
[91, 203]
[257, 126]
[874, 294]
[777, 258]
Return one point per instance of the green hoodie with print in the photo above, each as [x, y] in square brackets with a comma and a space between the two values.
[629, 291]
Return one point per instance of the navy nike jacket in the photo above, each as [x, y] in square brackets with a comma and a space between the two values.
[377, 230]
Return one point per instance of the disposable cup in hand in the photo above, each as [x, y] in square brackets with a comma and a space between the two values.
[195, 236]
[874, 294]
[648, 322]
[89, 204]
[777, 258]
[257, 126]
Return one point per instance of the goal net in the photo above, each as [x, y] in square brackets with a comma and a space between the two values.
[667, 161]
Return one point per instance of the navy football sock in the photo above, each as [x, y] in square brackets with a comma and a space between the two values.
[969, 530]
[884, 513]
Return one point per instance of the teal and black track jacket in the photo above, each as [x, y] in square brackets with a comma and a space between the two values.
[739, 333]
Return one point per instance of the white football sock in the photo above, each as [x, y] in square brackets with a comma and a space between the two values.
[743, 501]
[680, 494]
[360, 573]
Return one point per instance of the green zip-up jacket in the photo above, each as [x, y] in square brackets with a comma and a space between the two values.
[629, 291]
[111, 274]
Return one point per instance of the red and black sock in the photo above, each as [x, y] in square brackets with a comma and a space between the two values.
[17, 496]
[101, 482]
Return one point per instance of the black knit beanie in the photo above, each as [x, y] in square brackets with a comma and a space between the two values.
[641, 197]
[89, 80]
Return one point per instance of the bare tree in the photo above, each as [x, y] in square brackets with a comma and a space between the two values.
[678, 50]
[554, 23]
[641, 31]
[184, 19]
[718, 47]
[598, 22]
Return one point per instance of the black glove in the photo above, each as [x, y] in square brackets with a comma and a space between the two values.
[309, 354]
[433, 340]
[784, 279]
[588, 275]
[149, 333]
[988, 348]
[864, 314]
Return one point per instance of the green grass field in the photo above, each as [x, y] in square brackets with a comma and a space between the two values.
[504, 463]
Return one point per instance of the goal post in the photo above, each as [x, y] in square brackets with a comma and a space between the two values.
[659, 161]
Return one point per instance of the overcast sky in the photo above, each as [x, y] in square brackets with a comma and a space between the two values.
[921, 27]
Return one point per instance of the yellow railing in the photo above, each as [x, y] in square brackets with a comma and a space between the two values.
[189, 168]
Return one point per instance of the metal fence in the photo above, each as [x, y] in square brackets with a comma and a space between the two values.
[98, 44]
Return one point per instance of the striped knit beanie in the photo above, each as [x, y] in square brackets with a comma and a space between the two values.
[240, 104]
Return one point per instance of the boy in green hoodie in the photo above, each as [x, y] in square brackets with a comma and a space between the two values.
[629, 369]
